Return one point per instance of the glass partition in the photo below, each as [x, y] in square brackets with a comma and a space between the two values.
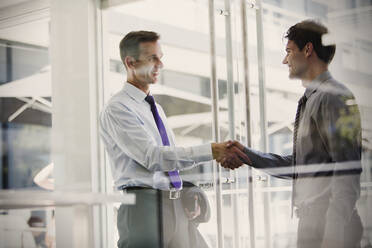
[185, 31]
[346, 22]
[184, 89]
[25, 116]
[256, 106]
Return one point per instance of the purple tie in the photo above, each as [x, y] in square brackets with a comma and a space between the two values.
[173, 175]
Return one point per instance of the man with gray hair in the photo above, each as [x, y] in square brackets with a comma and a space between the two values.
[145, 161]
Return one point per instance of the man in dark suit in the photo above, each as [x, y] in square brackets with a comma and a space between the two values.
[325, 165]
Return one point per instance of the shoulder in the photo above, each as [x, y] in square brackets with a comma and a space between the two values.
[334, 92]
[118, 103]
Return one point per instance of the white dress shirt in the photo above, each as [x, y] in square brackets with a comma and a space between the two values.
[134, 146]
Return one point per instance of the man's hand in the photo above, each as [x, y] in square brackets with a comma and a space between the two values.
[229, 154]
[235, 146]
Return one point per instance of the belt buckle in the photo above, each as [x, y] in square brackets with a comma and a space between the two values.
[174, 194]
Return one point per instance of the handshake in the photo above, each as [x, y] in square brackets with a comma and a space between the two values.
[230, 154]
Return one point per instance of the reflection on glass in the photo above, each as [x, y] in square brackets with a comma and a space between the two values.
[25, 118]
[185, 90]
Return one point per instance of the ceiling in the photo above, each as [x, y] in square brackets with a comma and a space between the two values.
[7, 3]
[25, 21]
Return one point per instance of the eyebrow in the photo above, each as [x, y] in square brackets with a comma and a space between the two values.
[155, 56]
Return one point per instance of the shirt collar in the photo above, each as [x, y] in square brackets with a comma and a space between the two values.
[313, 85]
[137, 94]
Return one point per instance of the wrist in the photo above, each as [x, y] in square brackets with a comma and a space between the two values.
[214, 150]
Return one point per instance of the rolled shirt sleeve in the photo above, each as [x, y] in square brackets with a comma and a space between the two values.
[129, 133]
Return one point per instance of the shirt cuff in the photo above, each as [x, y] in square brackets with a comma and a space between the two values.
[202, 153]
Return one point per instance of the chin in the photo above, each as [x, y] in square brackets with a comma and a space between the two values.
[151, 80]
[292, 76]
[155, 80]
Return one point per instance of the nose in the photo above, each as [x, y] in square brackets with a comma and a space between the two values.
[285, 61]
[160, 64]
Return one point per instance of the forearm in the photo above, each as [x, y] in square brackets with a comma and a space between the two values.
[274, 164]
[125, 132]
[165, 158]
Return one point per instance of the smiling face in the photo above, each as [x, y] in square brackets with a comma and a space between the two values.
[296, 60]
[147, 67]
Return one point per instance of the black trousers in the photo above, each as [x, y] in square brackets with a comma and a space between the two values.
[154, 221]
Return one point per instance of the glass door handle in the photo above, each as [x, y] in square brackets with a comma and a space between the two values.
[261, 178]
[227, 180]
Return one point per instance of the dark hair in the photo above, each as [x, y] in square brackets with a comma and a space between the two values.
[311, 31]
[129, 45]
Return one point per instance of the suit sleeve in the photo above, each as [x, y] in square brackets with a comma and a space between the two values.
[273, 164]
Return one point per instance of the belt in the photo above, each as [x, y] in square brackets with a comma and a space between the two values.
[172, 194]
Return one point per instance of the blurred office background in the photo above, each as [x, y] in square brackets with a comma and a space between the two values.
[59, 64]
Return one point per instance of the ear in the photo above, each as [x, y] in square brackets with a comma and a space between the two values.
[309, 49]
[129, 61]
